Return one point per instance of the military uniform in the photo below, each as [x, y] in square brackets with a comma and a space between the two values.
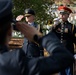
[30, 48]
[66, 32]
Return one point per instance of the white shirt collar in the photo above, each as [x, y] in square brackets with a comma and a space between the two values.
[31, 24]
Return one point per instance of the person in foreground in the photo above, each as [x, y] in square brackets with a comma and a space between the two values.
[16, 62]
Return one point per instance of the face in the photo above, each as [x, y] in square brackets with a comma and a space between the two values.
[30, 18]
[64, 16]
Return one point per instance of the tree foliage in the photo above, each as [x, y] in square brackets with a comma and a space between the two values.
[40, 7]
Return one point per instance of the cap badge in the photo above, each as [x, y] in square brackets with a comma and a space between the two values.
[26, 11]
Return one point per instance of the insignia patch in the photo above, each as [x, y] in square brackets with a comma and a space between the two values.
[66, 30]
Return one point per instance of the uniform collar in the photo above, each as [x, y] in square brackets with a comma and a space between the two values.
[32, 23]
[65, 22]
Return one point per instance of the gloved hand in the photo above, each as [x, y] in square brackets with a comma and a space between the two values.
[56, 22]
[19, 18]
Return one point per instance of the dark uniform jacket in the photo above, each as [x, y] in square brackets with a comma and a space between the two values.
[66, 32]
[32, 49]
[17, 63]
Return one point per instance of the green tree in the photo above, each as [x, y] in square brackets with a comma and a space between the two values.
[40, 7]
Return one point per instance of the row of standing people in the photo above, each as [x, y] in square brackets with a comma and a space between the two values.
[17, 62]
[64, 30]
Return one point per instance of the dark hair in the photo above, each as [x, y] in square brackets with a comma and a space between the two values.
[5, 24]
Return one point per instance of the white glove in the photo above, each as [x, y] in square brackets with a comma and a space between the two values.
[20, 17]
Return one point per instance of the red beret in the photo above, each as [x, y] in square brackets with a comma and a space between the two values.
[64, 8]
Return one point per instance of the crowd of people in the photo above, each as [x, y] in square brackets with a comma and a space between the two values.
[58, 42]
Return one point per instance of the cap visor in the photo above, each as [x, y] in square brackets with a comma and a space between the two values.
[27, 15]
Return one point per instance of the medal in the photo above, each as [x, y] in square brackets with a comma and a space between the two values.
[66, 30]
